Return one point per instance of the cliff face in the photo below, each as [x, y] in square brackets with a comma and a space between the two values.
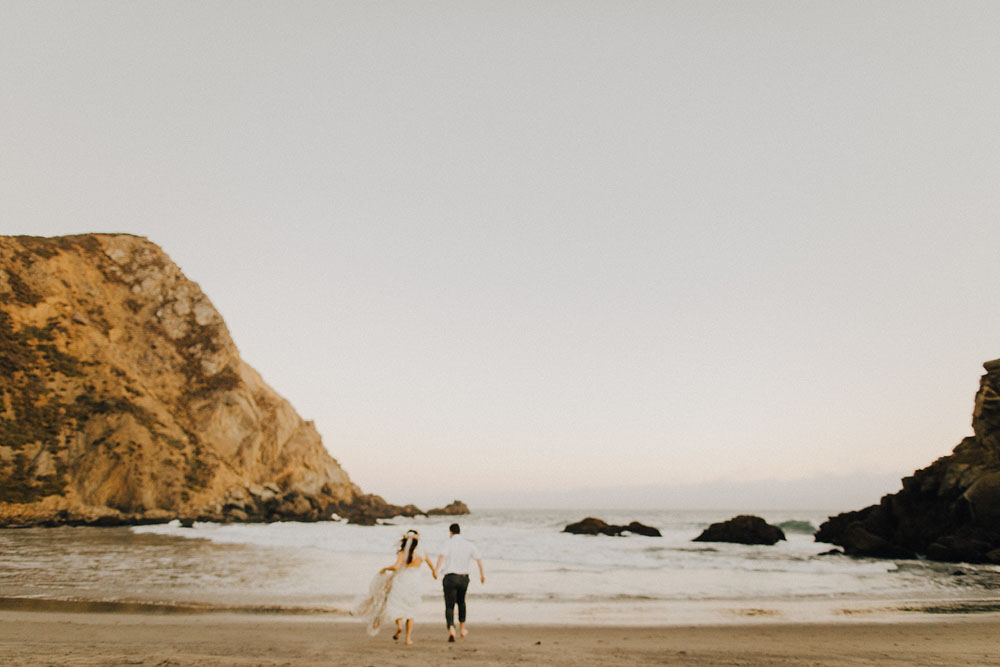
[123, 398]
[949, 511]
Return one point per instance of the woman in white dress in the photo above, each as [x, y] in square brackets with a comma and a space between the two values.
[404, 594]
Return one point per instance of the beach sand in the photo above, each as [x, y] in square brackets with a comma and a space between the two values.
[89, 638]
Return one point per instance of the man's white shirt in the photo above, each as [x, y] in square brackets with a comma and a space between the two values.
[458, 554]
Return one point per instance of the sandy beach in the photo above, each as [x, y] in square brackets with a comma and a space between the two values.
[88, 638]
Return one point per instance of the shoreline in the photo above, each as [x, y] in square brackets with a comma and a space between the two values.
[93, 638]
[773, 612]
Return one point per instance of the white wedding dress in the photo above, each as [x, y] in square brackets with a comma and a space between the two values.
[372, 608]
[404, 595]
[391, 595]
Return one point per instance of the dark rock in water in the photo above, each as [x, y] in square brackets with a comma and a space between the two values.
[948, 511]
[366, 509]
[592, 526]
[363, 520]
[832, 552]
[642, 529]
[595, 526]
[743, 529]
[187, 522]
[873, 545]
[456, 508]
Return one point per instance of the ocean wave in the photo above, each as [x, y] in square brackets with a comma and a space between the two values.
[320, 568]
[797, 526]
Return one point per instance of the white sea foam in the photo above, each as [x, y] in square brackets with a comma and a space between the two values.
[535, 572]
[531, 560]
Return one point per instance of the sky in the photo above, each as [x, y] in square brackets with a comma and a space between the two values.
[558, 253]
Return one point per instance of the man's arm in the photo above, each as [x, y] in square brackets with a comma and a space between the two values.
[482, 573]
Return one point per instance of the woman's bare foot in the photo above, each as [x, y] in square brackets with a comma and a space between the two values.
[409, 631]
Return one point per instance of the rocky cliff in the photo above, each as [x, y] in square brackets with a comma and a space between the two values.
[123, 399]
[948, 511]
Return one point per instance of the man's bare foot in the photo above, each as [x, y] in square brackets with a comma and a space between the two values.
[464, 633]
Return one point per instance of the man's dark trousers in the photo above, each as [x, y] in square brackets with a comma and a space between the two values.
[455, 586]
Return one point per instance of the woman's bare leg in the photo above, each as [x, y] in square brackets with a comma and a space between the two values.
[409, 630]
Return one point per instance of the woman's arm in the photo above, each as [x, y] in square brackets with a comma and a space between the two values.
[430, 564]
[400, 558]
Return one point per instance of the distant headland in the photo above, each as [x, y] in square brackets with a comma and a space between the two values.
[948, 511]
[123, 400]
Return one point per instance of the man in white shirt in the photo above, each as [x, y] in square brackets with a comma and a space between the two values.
[456, 558]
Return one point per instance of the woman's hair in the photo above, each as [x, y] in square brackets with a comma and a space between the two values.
[414, 537]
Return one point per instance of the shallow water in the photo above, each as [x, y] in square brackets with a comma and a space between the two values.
[535, 573]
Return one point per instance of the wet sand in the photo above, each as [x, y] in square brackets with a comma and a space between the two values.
[89, 638]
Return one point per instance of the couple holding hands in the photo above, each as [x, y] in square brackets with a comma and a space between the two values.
[395, 590]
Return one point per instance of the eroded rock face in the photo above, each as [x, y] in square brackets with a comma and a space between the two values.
[743, 529]
[948, 511]
[124, 399]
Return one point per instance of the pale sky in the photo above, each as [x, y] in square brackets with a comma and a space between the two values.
[563, 253]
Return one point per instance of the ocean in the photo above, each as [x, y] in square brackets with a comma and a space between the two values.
[535, 573]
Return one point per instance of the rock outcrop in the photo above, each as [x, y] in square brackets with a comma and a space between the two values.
[742, 529]
[124, 400]
[594, 526]
[366, 509]
[456, 508]
[948, 511]
[637, 528]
